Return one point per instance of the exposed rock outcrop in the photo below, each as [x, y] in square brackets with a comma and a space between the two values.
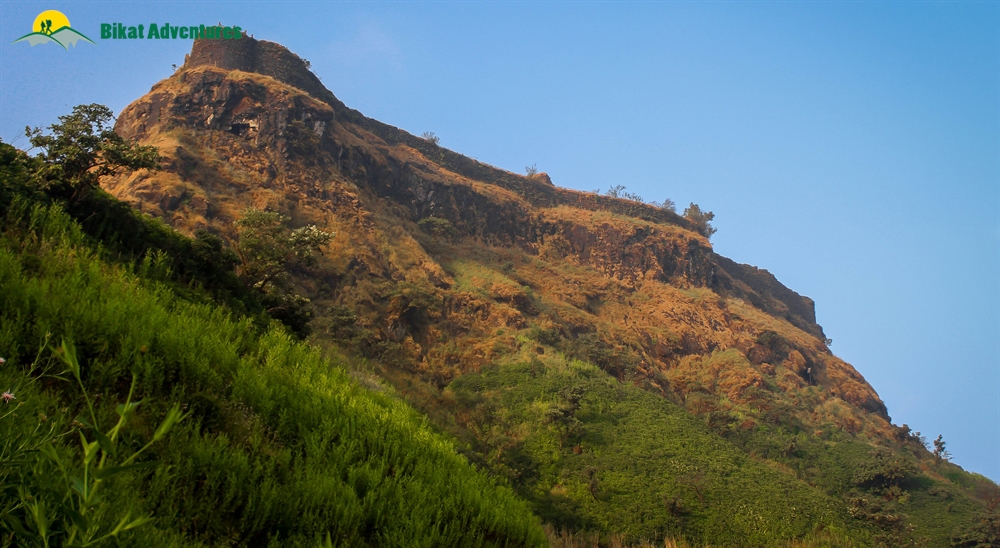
[245, 123]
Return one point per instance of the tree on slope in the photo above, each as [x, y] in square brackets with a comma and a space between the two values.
[701, 219]
[82, 148]
[267, 248]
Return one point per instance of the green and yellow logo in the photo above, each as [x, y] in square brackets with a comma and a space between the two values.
[52, 26]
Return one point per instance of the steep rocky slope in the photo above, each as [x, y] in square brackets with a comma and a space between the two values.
[531, 271]
[250, 125]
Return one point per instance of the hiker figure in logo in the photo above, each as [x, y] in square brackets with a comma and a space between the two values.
[47, 26]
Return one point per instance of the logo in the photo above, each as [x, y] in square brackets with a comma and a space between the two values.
[53, 26]
[119, 31]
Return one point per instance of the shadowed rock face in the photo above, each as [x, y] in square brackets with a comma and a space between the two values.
[270, 59]
[244, 123]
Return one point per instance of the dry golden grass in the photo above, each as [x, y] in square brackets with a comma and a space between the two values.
[585, 270]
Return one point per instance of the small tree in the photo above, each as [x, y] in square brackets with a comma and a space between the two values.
[301, 139]
[884, 473]
[701, 219]
[618, 191]
[940, 453]
[430, 137]
[437, 227]
[83, 147]
[667, 204]
[531, 170]
[266, 249]
[562, 415]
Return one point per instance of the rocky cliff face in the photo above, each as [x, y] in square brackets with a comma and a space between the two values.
[244, 123]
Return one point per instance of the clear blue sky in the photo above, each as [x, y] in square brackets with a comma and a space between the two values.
[851, 148]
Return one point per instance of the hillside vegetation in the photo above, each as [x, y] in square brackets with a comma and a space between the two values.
[277, 446]
[591, 355]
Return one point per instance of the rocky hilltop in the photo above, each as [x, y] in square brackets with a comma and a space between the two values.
[526, 272]
[245, 123]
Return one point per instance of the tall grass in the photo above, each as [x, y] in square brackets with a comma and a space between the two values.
[631, 463]
[280, 448]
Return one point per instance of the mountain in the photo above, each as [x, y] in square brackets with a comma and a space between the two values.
[244, 436]
[592, 352]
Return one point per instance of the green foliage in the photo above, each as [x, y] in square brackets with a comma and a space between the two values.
[83, 147]
[562, 414]
[593, 454]
[702, 219]
[301, 140]
[280, 448]
[884, 472]
[775, 343]
[266, 250]
[984, 533]
[637, 464]
[887, 517]
[60, 502]
[618, 191]
[202, 268]
[16, 172]
[667, 204]
[589, 347]
[431, 138]
[940, 449]
[551, 336]
[438, 228]
[881, 488]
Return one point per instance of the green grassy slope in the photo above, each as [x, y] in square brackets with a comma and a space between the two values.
[280, 447]
[591, 453]
[631, 462]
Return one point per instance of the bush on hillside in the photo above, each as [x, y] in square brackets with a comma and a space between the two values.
[618, 191]
[438, 228]
[667, 204]
[702, 220]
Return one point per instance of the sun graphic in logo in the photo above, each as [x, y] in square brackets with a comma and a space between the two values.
[53, 26]
[50, 21]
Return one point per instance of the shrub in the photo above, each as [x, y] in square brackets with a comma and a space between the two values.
[700, 219]
[776, 347]
[667, 205]
[551, 336]
[618, 191]
[438, 228]
[940, 452]
[431, 138]
[302, 140]
[884, 472]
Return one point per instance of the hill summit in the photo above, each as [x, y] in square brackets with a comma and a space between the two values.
[593, 351]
